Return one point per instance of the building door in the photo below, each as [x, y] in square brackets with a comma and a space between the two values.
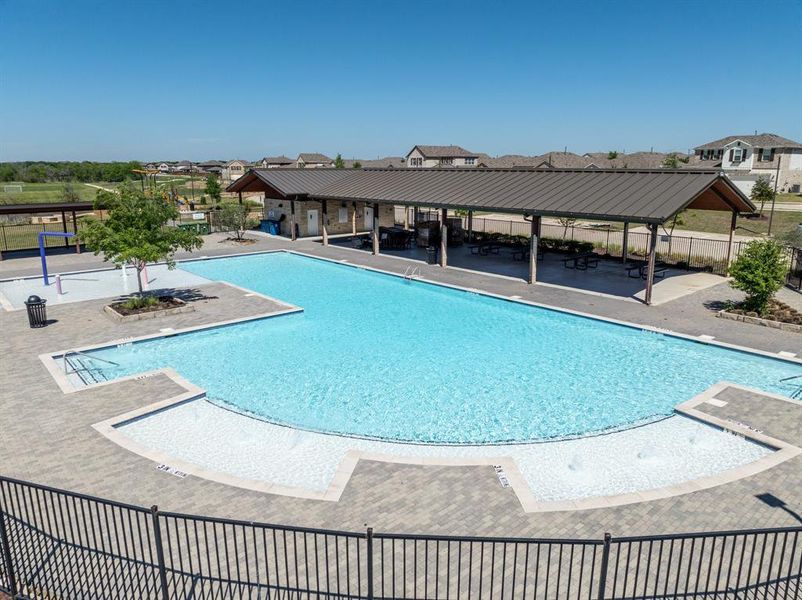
[368, 218]
[311, 222]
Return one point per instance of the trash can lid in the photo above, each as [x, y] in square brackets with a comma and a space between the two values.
[34, 300]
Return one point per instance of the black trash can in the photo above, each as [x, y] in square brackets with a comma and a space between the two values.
[37, 312]
[431, 255]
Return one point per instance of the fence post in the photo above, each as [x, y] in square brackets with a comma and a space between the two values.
[157, 535]
[370, 563]
[6, 552]
[604, 566]
[690, 245]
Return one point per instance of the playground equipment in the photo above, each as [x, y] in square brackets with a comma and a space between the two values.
[42, 237]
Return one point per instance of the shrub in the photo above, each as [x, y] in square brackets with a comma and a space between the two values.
[759, 271]
[138, 302]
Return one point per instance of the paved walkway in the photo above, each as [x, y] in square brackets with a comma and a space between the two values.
[46, 436]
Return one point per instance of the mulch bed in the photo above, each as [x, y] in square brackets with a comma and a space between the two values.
[165, 302]
[776, 311]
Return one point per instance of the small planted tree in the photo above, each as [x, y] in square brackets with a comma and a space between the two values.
[339, 163]
[356, 165]
[136, 231]
[234, 217]
[762, 192]
[759, 271]
[566, 222]
[213, 189]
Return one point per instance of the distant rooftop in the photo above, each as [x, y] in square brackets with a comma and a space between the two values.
[443, 151]
[761, 140]
[314, 157]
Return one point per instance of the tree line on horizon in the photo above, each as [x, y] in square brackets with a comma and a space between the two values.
[84, 171]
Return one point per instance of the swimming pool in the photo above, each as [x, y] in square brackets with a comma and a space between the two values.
[378, 356]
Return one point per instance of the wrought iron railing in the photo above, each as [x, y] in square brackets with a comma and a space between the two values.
[58, 544]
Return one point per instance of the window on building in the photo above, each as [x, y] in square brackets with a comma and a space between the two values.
[446, 161]
[736, 155]
[766, 154]
[416, 161]
[470, 161]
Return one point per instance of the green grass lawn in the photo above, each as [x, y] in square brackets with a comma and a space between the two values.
[719, 222]
[48, 192]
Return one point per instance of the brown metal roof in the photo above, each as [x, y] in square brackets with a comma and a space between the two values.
[44, 207]
[644, 196]
[287, 182]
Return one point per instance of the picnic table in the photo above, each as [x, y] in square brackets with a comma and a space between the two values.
[641, 270]
[582, 262]
[485, 248]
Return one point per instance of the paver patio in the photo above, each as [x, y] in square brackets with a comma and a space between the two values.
[46, 436]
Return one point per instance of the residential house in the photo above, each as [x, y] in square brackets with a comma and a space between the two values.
[441, 156]
[234, 169]
[745, 158]
[314, 160]
[183, 166]
[388, 162]
[276, 162]
[214, 167]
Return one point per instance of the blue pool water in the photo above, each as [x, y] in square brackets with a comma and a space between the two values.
[377, 356]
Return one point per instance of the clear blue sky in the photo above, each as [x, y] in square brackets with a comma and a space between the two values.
[173, 80]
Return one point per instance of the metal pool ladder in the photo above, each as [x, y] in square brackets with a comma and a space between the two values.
[797, 393]
[79, 363]
[411, 272]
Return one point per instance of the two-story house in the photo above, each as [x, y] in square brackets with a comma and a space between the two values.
[276, 162]
[234, 169]
[314, 160]
[441, 156]
[745, 158]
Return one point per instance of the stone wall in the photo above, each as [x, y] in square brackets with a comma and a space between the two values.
[275, 208]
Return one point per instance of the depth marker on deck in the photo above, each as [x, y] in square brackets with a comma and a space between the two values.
[786, 354]
[171, 471]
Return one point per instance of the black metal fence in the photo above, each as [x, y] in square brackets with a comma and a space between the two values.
[24, 236]
[57, 544]
[681, 251]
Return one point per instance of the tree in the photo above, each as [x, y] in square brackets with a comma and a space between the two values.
[136, 230]
[213, 189]
[566, 222]
[679, 219]
[234, 217]
[762, 192]
[671, 161]
[338, 162]
[759, 271]
[68, 193]
[356, 165]
[612, 155]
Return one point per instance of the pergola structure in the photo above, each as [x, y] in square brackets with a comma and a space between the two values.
[49, 208]
[649, 197]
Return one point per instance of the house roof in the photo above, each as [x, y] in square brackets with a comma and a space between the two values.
[391, 162]
[314, 157]
[643, 196]
[277, 160]
[45, 207]
[238, 160]
[762, 140]
[287, 182]
[443, 151]
[211, 163]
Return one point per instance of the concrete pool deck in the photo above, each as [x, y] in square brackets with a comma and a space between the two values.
[47, 436]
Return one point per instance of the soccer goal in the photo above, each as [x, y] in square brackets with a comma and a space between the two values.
[12, 188]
